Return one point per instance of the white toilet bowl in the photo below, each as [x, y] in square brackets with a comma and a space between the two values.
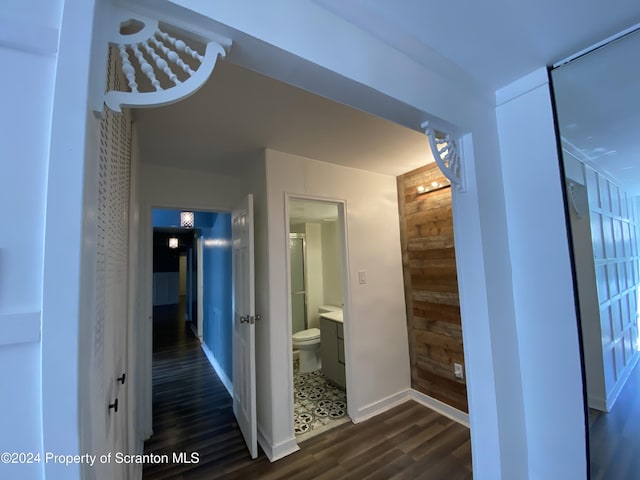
[307, 342]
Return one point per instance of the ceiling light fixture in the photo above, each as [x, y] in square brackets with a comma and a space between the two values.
[186, 219]
[432, 187]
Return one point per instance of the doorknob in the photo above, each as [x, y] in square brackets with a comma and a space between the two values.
[250, 319]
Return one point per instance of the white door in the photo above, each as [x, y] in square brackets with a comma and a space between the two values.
[244, 357]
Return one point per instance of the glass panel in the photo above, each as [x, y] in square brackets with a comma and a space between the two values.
[298, 294]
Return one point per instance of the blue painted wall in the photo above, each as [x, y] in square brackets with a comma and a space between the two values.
[217, 288]
[215, 229]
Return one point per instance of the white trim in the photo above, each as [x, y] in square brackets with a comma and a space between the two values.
[216, 366]
[399, 398]
[621, 382]
[381, 406]
[595, 46]
[529, 82]
[19, 328]
[441, 408]
[343, 239]
[276, 452]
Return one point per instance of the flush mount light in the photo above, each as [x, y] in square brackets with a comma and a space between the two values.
[173, 242]
[186, 219]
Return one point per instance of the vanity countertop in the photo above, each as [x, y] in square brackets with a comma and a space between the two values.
[335, 316]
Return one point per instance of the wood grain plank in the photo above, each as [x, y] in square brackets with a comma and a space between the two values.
[431, 286]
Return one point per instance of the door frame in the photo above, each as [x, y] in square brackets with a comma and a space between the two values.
[144, 352]
[346, 295]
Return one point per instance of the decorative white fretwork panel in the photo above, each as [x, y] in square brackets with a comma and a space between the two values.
[160, 64]
[109, 323]
[446, 153]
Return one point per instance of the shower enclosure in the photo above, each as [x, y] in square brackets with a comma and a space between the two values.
[298, 284]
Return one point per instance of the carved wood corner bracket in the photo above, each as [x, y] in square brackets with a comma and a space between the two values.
[159, 64]
[447, 155]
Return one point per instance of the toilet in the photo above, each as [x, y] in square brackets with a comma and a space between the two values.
[307, 342]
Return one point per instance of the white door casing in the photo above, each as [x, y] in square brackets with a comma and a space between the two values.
[244, 316]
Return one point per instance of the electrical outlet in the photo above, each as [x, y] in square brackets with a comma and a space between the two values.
[458, 371]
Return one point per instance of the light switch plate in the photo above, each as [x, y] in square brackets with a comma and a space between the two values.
[362, 277]
[458, 371]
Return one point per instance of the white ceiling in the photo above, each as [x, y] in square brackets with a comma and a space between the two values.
[309, 211]
[495, 42]
[239, 111]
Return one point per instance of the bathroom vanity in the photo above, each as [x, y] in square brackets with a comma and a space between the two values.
[332, 347]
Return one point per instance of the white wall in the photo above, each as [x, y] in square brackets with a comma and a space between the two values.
[28, 50]
[546, 321]
[375, 328]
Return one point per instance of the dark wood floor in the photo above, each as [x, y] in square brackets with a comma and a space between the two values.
[193, 413]
[614, 437]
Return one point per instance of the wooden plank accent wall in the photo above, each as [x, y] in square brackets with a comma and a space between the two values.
[431, 287]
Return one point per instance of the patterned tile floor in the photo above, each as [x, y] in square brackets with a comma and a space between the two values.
[319, 405]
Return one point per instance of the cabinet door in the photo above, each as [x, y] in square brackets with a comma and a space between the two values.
[328, 347]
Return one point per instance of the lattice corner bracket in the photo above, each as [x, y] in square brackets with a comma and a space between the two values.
[158, 67]
[447, 156]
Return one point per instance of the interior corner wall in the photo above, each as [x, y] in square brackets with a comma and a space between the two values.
[375, 325]
[542, 281]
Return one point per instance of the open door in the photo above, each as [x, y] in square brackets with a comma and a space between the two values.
[244, 317]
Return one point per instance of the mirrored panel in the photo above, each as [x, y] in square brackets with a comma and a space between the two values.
[598, 112]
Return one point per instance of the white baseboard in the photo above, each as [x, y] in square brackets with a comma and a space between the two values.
[216, 366]
[597, 403]
[276, 452]
[441, 407]
[381, 406]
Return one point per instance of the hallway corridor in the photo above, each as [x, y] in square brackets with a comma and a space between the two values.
[192, 410]
[193, 414]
